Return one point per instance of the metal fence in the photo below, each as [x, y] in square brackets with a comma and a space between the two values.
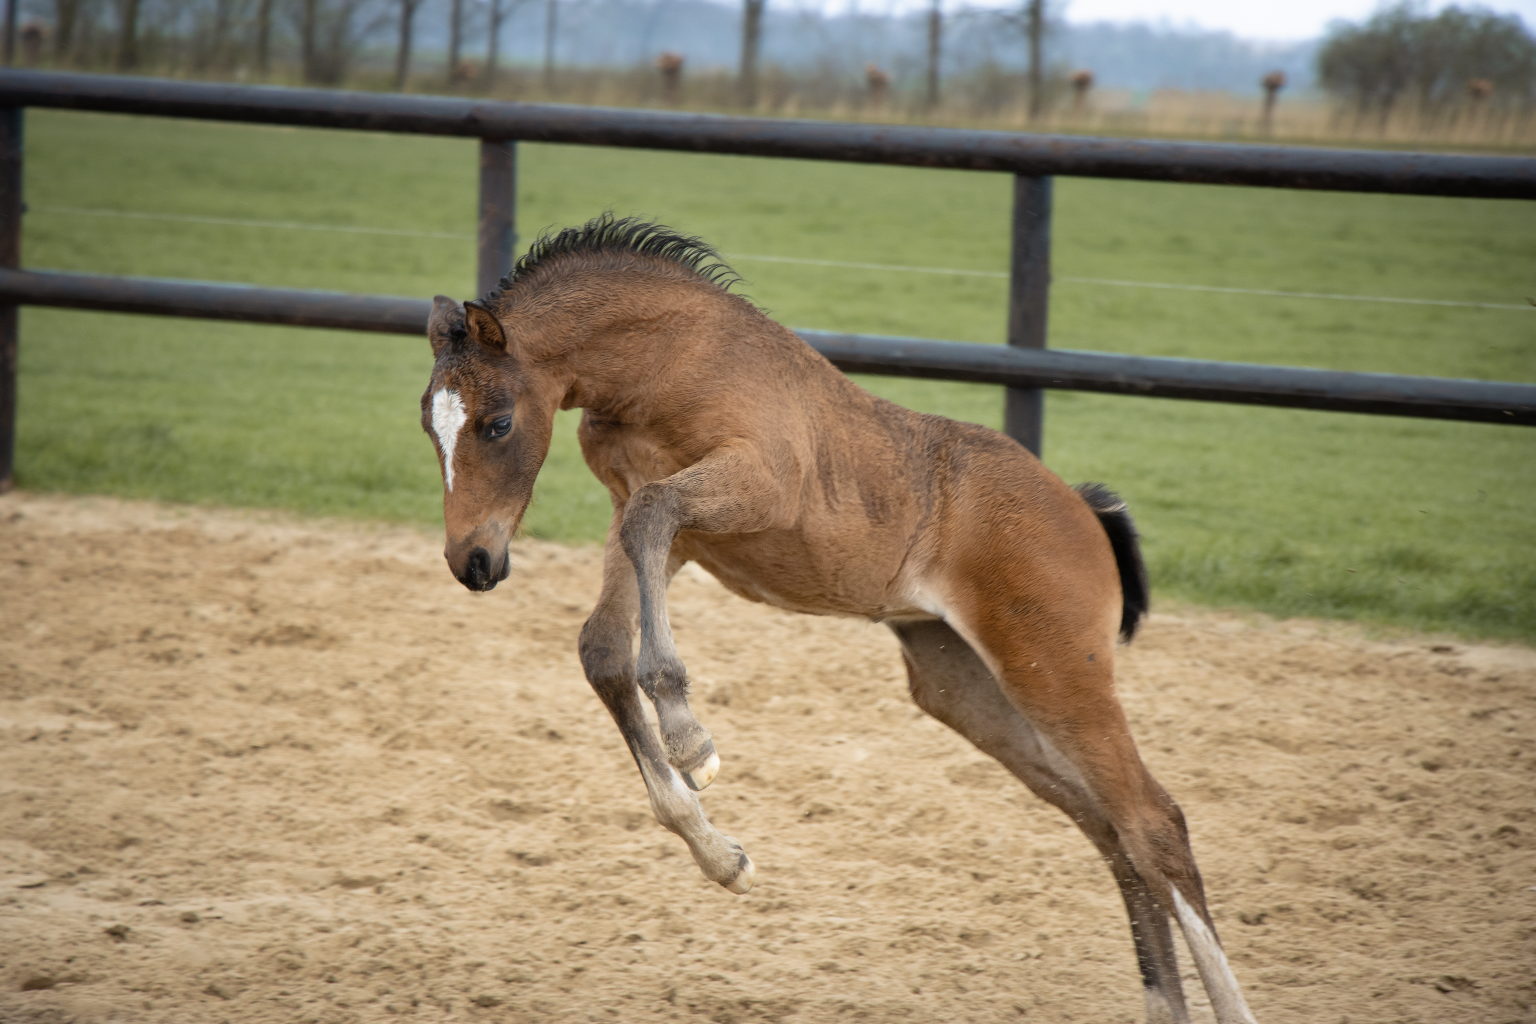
[1025, 367]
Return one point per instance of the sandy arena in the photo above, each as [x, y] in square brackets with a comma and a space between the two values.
[263, 769]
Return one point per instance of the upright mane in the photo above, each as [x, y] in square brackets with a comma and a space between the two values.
[610, 235]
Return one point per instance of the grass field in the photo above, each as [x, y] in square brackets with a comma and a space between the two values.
[1405, 522]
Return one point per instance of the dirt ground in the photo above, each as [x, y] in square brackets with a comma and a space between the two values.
[262, 769]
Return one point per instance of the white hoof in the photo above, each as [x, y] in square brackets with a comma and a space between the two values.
[704, 774]
[742, 883]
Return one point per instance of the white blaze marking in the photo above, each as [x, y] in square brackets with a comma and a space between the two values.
[448, 418]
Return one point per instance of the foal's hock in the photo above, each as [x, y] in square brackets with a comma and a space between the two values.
[725, 440]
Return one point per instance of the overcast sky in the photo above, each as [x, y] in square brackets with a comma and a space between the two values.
[1287, 20]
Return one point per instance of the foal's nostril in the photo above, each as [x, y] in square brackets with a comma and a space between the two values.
[477, 570]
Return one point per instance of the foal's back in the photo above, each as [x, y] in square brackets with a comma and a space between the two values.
[878, 503]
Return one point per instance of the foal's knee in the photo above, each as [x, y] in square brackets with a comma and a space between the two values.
[650, 523]
[605, 655]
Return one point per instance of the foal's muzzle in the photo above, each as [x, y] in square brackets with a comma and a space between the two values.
[481, 573]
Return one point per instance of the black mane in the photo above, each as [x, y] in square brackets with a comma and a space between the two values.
[609, 234]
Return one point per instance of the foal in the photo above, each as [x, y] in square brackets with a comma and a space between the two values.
[725, 440]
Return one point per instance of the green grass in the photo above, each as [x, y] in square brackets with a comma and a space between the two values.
[1264, 508]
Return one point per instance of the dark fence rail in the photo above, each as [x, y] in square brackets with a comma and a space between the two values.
[207, 300]
[1025, 366]
[1150, 376]
[1488, 177]
[1161, 377]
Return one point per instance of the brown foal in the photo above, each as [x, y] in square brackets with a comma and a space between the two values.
[725, 440]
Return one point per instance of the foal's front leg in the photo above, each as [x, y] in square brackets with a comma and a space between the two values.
[606, 642]
[661, 673]
[728, 492]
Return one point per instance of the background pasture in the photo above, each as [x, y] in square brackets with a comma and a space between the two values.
[1396, 521]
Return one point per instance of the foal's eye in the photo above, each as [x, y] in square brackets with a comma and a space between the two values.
[500, 427]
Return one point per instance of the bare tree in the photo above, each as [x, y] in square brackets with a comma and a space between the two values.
[65, 15]
[263, 37]
[10, 31]
[403, 52]
[330, 32]
[128, 35]
[455, 40]
[1400, 53]
[751, 44]
[1034, 28]
[1031, 18]
[307, 20]
[212, 51]
[496, 10]
[935, 41]
[551, 13]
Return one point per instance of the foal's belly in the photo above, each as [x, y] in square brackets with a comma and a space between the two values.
[779, 568]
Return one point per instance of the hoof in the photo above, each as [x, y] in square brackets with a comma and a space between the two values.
[745, 876]
[704, 774]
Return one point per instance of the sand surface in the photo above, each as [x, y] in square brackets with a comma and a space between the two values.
[262, 769]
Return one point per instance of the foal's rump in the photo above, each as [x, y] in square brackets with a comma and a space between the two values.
[1016, 546]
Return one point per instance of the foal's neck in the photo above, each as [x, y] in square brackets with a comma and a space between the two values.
[614, 338]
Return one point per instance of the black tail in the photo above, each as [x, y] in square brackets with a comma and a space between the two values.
[1116, 520]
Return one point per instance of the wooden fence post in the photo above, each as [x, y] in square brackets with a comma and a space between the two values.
[1029, 290]
[498, 212]
[10, 257]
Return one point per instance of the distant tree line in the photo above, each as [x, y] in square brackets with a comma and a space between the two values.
[322, 39]
[1401, 59]
[209, 36]
[1438, 64]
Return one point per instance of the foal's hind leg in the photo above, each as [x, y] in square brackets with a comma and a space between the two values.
[607, 641]
[1062, 680]
[952, 684]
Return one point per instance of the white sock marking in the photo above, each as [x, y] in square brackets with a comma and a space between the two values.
[1220, 983]
[448, 418]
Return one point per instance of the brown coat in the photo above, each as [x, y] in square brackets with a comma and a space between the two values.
[725, 440]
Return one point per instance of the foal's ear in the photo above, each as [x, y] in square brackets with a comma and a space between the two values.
[484, 327]
[446, 324]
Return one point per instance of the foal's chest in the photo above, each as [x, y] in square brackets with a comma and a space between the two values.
[625, 457]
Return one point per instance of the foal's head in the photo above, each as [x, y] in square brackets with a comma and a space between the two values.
[506, 364]
[491, 415]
